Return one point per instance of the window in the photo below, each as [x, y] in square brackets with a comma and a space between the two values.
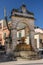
[40, 40]
[21, 33]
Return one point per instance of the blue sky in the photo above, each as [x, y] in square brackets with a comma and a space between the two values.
[35, 6]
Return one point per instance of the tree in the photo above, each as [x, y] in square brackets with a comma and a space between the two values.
[9, 29]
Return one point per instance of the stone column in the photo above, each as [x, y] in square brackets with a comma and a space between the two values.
[14, 33]
[32, 39]
[14, 38]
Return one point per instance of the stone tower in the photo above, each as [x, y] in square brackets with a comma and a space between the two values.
[25, 16]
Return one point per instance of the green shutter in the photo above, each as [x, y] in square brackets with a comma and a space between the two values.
[19, 34]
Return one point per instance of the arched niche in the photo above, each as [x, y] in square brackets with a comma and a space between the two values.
[23, 32]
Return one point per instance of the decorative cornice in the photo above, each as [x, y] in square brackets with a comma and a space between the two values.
[22, 12]
[23, 15]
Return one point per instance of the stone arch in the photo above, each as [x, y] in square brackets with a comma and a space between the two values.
[29, 23]
[24, 26]
[21, 22]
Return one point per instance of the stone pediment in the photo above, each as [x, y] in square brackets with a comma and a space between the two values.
[22, 12]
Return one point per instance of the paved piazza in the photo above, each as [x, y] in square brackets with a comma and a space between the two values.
[30, 62]
[23, 64]
[33, 64]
